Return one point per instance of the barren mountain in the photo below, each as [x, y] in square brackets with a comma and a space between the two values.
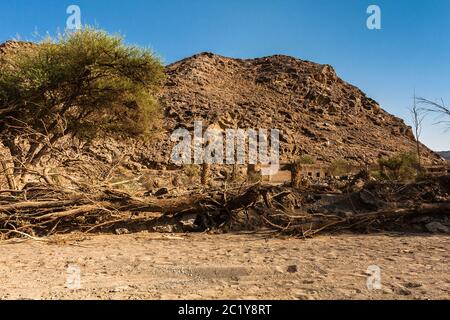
[318, 113]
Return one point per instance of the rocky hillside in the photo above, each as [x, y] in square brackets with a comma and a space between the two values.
[9, 46]
[318, 113]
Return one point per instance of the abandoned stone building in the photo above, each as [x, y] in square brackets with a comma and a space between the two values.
[310, 171]
[438, 170]
[317, 172]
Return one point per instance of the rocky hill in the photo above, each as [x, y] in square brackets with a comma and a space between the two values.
[318, 113]
[12, 45]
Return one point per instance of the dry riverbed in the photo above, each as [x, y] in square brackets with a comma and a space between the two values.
[232, 266]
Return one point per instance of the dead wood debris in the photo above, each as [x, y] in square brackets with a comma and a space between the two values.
[43, 210]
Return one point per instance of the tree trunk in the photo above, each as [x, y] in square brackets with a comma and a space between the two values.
[418, 154]
[296, 175]
[206, 168]
[235, 172]
[252, 173]
[9, 174]
[16, 153]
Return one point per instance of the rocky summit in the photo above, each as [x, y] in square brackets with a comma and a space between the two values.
[318, 113]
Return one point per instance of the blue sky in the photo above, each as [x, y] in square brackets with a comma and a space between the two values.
[410, 52]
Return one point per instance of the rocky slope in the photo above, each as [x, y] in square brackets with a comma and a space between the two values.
[317, 113]
[12, 45]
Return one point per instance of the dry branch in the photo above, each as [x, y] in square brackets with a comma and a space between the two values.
[54, 210]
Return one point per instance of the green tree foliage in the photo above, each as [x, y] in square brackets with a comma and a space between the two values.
[403, 166]
[340, 167]
[79, 84]
[306, 159]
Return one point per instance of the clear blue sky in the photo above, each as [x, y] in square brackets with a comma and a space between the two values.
[412, 51]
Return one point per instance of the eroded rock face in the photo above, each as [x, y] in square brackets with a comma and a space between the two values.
[318, 113]
[11, 46]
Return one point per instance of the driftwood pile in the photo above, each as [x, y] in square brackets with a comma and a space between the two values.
[42, 210]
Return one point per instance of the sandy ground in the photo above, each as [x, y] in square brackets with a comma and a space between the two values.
[239, 266]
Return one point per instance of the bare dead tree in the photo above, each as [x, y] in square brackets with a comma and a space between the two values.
[438, 108]
[417, 115]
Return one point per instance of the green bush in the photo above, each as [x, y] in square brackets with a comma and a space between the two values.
[376, 174]
[339, 167]
[403, 166]
[306, 159]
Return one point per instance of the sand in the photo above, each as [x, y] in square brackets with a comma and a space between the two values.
[231, 266]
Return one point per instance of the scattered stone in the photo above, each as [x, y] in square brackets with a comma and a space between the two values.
[437, 227]
[122, 231]
[120, 289]
[188, 222]
[412, 285]
[292, 269]
[164, 228]
[161, 192]
[403, 291]
[279, 269]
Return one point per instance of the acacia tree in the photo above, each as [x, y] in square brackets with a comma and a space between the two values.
[77, 85]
